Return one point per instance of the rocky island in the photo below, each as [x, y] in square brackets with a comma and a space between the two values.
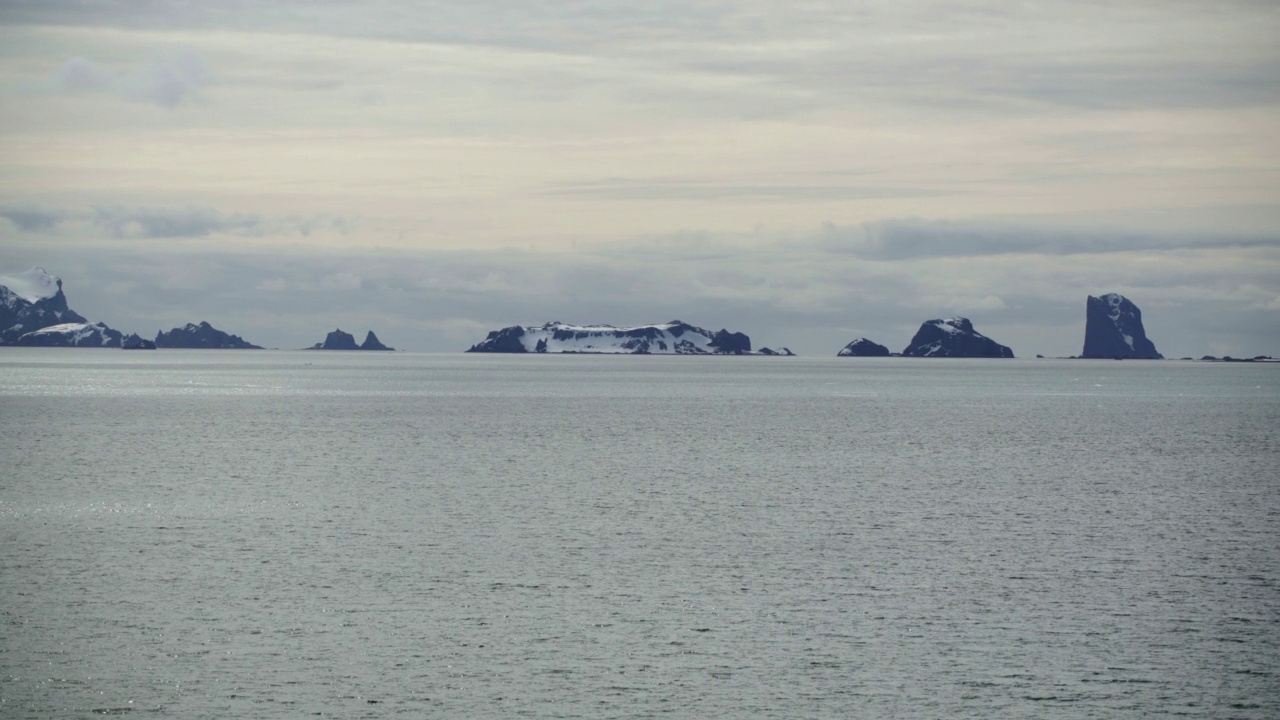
[863, 347]
[202, 337]
[339, 340]
[955, 338]
[1113, 329]
[671, 338]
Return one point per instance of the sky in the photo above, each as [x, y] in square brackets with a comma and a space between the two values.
[807, 173]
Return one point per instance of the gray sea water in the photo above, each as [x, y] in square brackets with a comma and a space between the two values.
[290, 534]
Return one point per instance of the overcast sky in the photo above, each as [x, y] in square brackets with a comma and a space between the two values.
[806, 173]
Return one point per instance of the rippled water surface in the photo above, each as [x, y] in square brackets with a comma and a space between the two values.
[285, 534]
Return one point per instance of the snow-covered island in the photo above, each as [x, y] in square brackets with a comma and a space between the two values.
[954, 337]
[671, 338]
[862, 347]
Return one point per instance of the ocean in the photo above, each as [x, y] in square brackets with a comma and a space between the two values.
[362, 535]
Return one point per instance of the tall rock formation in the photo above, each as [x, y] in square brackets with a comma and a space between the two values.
[371, 342]
[954, 337]
[1113, 329]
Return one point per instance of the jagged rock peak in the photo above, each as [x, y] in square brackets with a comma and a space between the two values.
[863, 347]
[672, 338]
[1113, 329]
[337, 340]
[202, 337]
[954, 337]
[371, 342]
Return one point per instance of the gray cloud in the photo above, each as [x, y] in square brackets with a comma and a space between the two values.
[904, 239]
[33, 219]
[168, 78]
[122, 222]
[193, 222]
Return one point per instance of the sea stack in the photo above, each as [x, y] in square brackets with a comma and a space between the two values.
[371, 342]
[1113, 329]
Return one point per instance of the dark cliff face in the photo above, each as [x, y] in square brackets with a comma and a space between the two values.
[731, 343]
[133, 341]
[19, 316]
[1113, 329]
[371, 342]
[863, 347]
[506, 340]
[954, 337]
[202, 337]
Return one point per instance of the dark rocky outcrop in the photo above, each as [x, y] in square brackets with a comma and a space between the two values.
[337, 340]
[30, 301]
[72, 335]
[202, 337]
[1113, 329]
[506, 340]
[371, 342]
[863, 347]
[955, 338]
[780, 352]
[731, 343]
[134, 341]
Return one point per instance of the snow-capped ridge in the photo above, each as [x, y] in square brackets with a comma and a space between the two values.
[82, 334]
[33, 285]
[671, 338]
[954, 337]
[863, 347]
